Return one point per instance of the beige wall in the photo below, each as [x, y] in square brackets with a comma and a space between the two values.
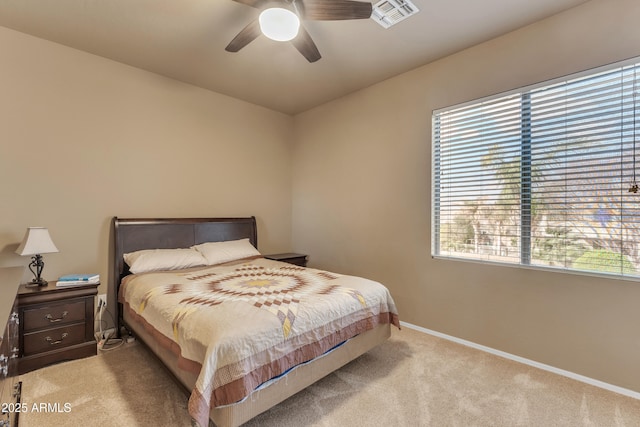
[83, 139]
[362, 202]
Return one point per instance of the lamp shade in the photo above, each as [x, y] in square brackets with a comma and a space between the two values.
[279, 24]
[36, 241]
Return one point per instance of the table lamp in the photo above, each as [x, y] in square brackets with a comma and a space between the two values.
[36, 241]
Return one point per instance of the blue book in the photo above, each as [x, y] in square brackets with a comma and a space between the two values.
[79, 278]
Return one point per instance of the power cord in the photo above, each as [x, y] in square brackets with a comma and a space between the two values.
[98, 319]
[103, 338]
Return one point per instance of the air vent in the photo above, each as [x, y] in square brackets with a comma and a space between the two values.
[390, 12]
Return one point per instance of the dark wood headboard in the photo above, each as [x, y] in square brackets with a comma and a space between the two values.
[134, 234]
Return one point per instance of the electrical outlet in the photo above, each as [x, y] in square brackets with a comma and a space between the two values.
[103, 298]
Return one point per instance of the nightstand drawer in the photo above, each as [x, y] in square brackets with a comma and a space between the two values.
[54, 315]
[52, 339]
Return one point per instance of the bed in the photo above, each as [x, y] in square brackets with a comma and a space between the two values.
[279, 327]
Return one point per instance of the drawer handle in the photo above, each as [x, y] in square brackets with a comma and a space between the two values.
[59, 319]
[17, 390]
[4, 365]
[52, 342]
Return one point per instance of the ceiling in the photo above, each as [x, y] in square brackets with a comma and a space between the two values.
[185, 40]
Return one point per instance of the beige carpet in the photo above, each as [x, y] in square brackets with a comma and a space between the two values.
[411, 380]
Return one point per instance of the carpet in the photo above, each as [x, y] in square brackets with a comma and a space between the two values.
[123, 387]
[413, 379]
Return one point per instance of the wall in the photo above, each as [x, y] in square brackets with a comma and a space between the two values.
[83, 139]
[362, 202]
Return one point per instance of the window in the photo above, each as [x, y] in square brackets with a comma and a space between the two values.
[543, 176]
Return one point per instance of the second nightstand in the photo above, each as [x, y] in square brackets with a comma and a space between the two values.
[56, 324]
[291, 258]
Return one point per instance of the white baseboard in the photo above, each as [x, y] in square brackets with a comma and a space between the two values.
[568, 374]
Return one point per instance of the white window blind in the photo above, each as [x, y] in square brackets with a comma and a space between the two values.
[541, 177]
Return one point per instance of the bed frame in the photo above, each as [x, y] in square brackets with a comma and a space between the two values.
[137, 234]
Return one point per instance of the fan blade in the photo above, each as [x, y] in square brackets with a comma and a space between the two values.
[253, 3]
[244, 37]
[334, 10]
[306, 46]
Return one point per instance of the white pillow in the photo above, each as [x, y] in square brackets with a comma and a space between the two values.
[163, 259]
[231, 250]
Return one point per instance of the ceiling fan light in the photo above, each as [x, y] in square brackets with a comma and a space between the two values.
[279, 24]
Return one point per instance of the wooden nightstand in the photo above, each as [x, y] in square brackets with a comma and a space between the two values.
[56, 324]
[291, 258]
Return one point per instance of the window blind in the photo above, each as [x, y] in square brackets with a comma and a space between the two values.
[541, 176]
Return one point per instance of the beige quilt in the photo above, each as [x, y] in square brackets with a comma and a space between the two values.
[241, 324]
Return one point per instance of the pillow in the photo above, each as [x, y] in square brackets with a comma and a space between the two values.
[163, 259]
[231, 250]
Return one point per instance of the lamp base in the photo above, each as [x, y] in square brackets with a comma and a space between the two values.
[38, 264]
[37, 283]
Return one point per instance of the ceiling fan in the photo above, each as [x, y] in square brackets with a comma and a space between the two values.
[282, 21]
